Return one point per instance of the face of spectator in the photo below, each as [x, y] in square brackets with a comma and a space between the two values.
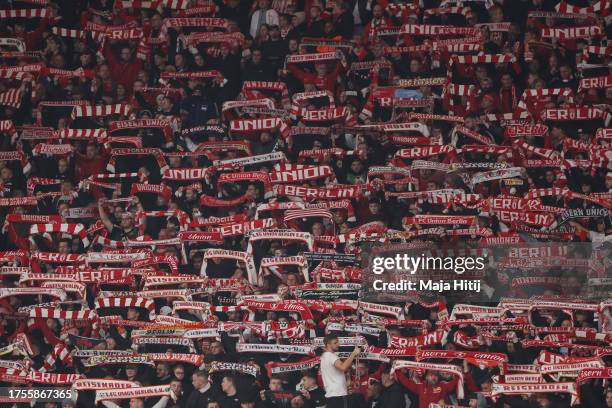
[362, 369]
[506, 81]
[174, 161]
[586, 188]
[309, 382]
[121, 92]
[177, 387]
[62, 166]
[481, 72]
[565, 72]
[127, 221]
[216, 348]
[53, 45]
[252, 191]
[292, 279]
[156, 21]
[386, 379]
[110, 343]
[415, 66]
[274, 33]
[487, 83]
[609, 399]
[263, 31]
[265, 137]
[85, 59]
[374, 208]
[130, 372]
[276, 385]
[136, 403]
[377, 11]
[372, 391]
[163, 233]
[227, 385]
[91, 151]
[317, 229]
[297, 402]
[132, 314]
[321, 69]
[357, 167]
[179, 60]
[57, 61]
[63, 247]
[197, 263]
[125, 54]
[431, 378]
[199, 60]
[66, 187]
[162, 371]
[6, 174]
[543, 401]
[263, 4]
[487, 103]
[333, 345]
[166, 104]
[256, 57]
[497, 16]
[198, 382]
[293, 45]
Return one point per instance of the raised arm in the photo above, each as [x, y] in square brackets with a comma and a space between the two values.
[407, 382]
[104, 217]
[297, 72]
[345, 365]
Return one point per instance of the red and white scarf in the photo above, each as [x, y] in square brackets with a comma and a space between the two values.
[100, 110]
[134, 392]
[445, 368]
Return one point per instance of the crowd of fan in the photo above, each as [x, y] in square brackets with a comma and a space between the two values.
[174, 159]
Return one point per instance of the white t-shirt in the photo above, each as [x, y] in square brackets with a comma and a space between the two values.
[334, 380]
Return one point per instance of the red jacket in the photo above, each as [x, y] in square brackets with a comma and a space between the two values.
[32, 39]
[327, 82]
[428, 394]
[124, 73]
[86, 167]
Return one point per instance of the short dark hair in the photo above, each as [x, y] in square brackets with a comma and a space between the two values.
[202, 374]
[329, 338]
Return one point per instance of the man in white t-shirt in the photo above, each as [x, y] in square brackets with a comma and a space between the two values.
[333, 372]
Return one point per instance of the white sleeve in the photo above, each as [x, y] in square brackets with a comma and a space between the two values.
[163, 401]
[273, 16]
[254, 21]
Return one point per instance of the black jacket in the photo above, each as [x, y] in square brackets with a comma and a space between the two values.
[345, 25]
[199, 399]
[392, 396]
